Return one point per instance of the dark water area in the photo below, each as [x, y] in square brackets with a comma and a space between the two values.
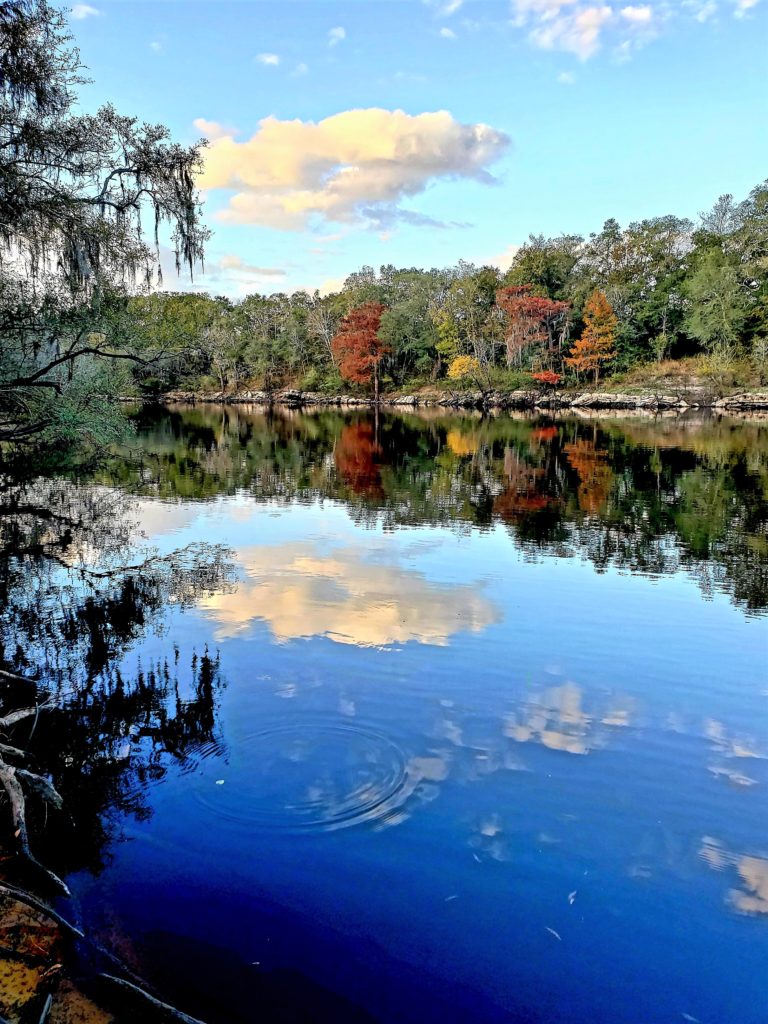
[410, 718]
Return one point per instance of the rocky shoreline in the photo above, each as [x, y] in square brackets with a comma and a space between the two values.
[680, 399]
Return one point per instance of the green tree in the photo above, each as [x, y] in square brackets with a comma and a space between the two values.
[73, 189]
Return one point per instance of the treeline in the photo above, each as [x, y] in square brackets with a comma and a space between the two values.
[568, 308]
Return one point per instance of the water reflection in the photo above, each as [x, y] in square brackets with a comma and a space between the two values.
[301, 591]
[752, 895]
[78, 591]
[401, 805]
[653, 496]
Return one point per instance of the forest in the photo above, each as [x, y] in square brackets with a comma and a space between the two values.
[569, 310]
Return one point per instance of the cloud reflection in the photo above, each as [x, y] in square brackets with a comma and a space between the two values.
[300, 591]
[752, 897]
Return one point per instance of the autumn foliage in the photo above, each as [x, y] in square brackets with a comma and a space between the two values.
[531, 320]
[357, 348]
[597, 344]
[548, 378]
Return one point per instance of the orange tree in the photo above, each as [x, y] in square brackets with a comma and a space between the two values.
[357, 347]
[597, 344]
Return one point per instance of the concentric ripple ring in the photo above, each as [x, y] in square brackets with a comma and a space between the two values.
[307, 776]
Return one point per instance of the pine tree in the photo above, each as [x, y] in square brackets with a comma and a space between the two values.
[597, 344]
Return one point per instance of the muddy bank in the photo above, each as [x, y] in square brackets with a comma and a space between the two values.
[681, 399]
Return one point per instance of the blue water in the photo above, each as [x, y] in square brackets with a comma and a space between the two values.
[454, 777]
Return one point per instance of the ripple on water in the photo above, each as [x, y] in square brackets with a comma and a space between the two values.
[307, 777]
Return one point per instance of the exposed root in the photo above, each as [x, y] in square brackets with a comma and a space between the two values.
[42, 786]
[10, 782]
[9, 751]
[20, 714]
[167, 1012]
[32, 901]
[13, 678]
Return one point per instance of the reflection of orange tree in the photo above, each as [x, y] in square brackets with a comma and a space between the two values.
[358, 459]
[595, 475]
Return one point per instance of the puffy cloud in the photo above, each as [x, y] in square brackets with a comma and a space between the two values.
[448, 33]
[566, 78]
[356, 166]
[336, 35]
[156, 46]
[299, 70]
[82, 11]
[269, 60]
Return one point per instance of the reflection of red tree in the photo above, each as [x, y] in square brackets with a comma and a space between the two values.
[595, 475]
[357, 456]
[521, 494]
[544, 434]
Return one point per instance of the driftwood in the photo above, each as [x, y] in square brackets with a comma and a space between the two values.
[9, 780]
[20, 714]
[165, 1010]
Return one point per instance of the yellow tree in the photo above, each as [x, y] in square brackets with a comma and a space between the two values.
[597, 344]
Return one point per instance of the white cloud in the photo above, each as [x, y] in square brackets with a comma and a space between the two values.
[566, 78]
[503, 259]
[742, 6]
[300, 70]
[576, 31]
[336, 35]
[212, 129]
[81, 11]
[270, 60]
[155, 46]
[355, 167]
[702, 10]
[637, 15]
[445, 8]
[582, 27]
[234, 262]
[447, 33]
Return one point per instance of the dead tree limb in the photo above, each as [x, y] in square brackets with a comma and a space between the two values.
[10, 782]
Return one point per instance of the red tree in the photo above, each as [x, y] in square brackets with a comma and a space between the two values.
[357, 347]
[531, 320]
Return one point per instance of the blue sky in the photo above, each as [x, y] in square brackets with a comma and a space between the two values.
[421, 133]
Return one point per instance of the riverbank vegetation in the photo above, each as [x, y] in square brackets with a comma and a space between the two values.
[82, 319]
[664, 292]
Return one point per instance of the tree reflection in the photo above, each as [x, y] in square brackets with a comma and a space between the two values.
[77, 591]
[650, 495]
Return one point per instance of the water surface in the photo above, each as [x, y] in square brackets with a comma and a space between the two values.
[410, 718]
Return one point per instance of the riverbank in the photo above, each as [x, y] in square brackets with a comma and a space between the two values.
[679, 399]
